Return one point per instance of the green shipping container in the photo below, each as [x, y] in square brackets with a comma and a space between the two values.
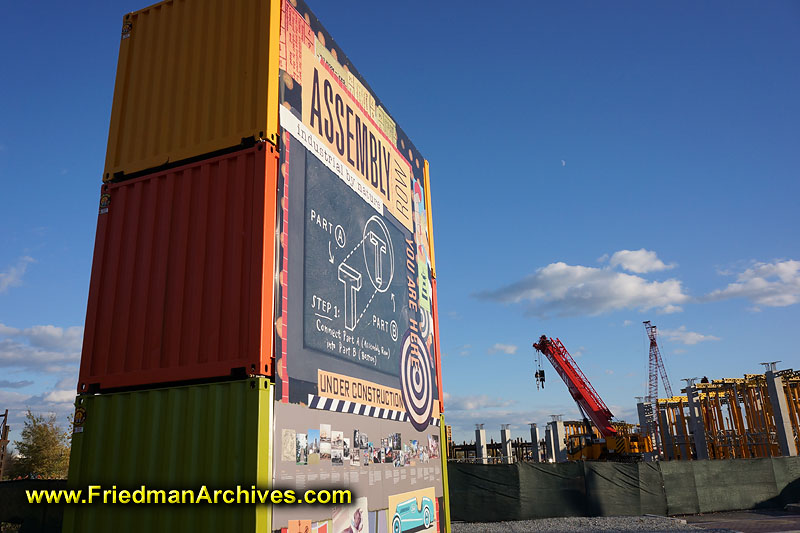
[215, 435]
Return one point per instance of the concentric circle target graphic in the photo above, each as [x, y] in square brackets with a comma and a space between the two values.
[416, 381]
[425, 323]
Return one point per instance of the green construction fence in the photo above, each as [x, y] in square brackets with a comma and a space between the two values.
[522, 491]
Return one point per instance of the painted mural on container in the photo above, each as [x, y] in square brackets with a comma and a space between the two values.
[355, 347]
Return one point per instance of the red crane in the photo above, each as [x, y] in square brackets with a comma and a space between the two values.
[589, 402]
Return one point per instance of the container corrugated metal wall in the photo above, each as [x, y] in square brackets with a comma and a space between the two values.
[193, 77]
[444, 521]
[173, 438]
[182, 278]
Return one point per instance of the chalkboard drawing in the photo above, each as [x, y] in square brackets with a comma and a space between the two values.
[352, 284]
[380, 249]
[379, 254]
[346, 240]
[341, 237]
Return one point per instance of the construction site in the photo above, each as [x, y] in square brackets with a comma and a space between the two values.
[721, 444]
[757, 415]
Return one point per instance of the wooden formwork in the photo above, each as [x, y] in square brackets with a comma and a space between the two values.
[737, 416]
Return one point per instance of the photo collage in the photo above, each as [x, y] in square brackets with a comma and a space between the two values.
[324, 445]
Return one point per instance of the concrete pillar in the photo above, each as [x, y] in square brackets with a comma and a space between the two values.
[666, 437]
[696, 424]
[780, 408]
[645, 428]
[557, 435]
[684, 445]
[550, 455]
[535, 438]
[505, 439]
[480, 445]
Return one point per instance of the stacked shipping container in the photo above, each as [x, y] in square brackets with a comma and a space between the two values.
[178, 337]
[190, 296]
[182, 279]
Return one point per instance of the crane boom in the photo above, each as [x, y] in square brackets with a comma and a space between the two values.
[579, 387]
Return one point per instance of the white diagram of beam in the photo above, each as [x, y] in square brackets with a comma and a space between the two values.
[352, 284]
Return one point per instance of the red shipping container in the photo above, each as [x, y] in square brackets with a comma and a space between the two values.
[182, 277]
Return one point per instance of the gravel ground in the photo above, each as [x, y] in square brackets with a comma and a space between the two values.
[582, 525]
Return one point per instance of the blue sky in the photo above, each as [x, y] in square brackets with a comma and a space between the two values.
[592, 166]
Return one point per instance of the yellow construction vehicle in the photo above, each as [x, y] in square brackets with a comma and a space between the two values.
[604, 440]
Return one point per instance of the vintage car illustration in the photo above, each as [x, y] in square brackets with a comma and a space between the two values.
[409, 517]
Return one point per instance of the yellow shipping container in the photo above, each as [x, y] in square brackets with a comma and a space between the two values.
[194, 77]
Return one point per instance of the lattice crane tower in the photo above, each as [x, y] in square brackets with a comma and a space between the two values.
[656, 366]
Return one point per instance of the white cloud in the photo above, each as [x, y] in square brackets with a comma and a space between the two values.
[60, 396]
[509, 349]
[11, 398]
[49, 352]
[471, 403]
[27, 357]
[69, 382]
[627, 323]
[626, 412]
[13, 276]
[688, 338]
[638, 261]
[48, 337]
[678, 351]
[609, 371]
[6, 384]
[40, 348]
[774, 284]
[569, 290]
[464, 349]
